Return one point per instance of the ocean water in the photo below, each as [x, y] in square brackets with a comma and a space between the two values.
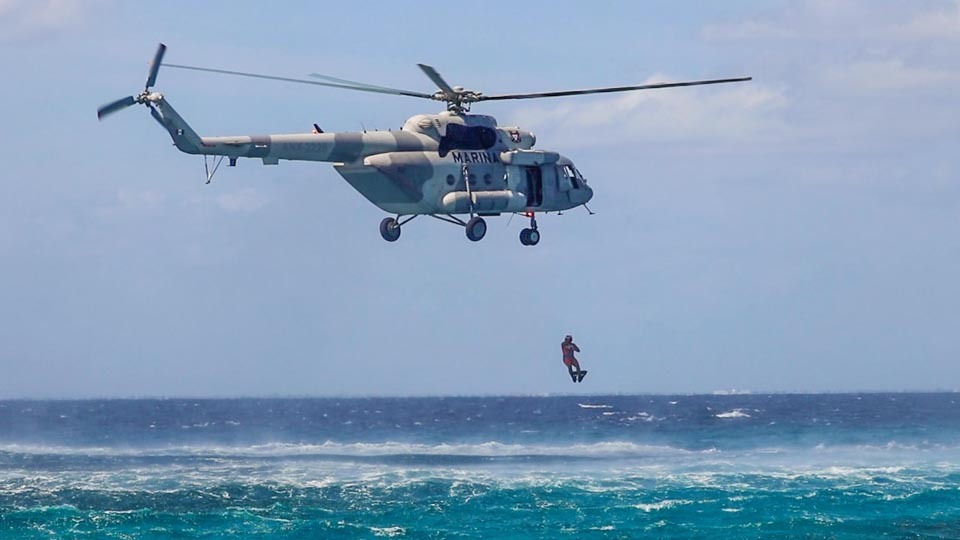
[691, 466]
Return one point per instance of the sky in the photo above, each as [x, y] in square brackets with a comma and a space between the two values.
[795, 233]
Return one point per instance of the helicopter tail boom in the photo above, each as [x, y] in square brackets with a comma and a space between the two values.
[184, 137]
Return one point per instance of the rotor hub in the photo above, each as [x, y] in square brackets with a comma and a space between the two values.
[459, 99]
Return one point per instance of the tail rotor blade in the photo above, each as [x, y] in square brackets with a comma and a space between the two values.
[155, 66]
[115, 106]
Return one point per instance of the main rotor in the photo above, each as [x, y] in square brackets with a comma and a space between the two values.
[457, 98]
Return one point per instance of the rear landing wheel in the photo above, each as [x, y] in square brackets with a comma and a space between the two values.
[390, 229]
[476, 229]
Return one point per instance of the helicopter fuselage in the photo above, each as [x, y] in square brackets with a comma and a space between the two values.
[443, 163]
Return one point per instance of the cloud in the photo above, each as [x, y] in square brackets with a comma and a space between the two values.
[848, 76]
[841, 20]
[888, 77]
[244, 200]
[140, 200]
[739, 113]
[27, 19]
[127, 203]
[940, 24]
[748, 30]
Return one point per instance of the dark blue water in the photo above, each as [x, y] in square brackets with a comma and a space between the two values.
[744, 466]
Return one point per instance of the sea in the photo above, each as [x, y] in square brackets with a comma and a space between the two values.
[875, 465]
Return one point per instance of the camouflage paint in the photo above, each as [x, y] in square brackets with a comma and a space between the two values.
[401, 172]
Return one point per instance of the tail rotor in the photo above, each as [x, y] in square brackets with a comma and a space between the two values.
[143, 97]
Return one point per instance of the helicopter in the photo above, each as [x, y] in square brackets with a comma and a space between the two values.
[454, 166]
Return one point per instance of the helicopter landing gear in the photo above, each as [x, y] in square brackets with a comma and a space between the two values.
[390, 229]
[476, 229]
[530, 236]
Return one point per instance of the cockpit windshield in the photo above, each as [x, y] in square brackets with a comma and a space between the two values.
[571, 172]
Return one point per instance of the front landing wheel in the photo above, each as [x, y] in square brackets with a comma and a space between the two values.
[390, 229]
[476, 229]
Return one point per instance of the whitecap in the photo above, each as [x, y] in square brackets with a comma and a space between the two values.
[592, 406]
[736, 413]
[388, 531]
[365, 449]
[661, 505]
[642, 416]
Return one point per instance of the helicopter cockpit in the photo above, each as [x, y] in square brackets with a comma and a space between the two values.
[570, 177]
[572, 182]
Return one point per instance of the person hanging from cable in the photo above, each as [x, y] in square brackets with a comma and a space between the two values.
[569, 360]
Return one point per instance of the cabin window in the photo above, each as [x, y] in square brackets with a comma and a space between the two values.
[451, 180]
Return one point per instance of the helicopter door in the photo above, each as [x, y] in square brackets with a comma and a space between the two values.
[534, 186]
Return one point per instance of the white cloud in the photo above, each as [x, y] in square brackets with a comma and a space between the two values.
[740, 112]
[935, 24]
[841, 20]
[21, 19]
[888, 77]
[140, 200]
[748, 30]
[244, 200]
[850, 76]
[129, 202]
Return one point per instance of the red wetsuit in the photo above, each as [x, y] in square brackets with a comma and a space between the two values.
[568, 359]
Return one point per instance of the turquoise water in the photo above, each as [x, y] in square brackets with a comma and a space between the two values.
[799, 466]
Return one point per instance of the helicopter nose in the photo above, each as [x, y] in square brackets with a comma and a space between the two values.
[581, 195]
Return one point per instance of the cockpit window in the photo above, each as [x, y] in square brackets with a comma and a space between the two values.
[573, 174]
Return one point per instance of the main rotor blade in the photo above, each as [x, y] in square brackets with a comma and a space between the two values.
[437, 79]
[609, 89]
[304, 81]
[115, 106]
[155, 66]
[356, 84]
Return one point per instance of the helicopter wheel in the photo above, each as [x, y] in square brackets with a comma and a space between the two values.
[476, 229]
[533, 237]
[390, 229]
[529, 237]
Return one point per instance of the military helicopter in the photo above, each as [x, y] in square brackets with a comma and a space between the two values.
[453, 166]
